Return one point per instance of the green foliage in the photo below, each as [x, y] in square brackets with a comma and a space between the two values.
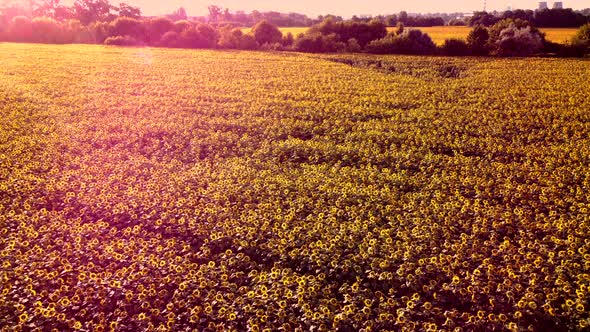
[121, 41]
[582, 37]
[345, 30]
[409, 42]
[518, 42]
[266, 33]
[126, 26]
[455, 47]
[477, 40]
[318, 43]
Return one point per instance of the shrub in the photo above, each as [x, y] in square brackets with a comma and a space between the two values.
[454, 47]
[208, 35]
[318, 43]
[477, 40]
[457, 22]
[20, 29]
[157, 27]
[170, 39]
[345, 30]
[409, 42]
[496, 30]
[582, 38]
[288, 40]
[236, 39]
[201, 36]
[515, 41]
[180, 26]
[74, 32]
[121, 41]
[266, 33]
[247, 42]
[46, 30]
[125, 26]
[353, 46]
[229, 37]
[100, 31]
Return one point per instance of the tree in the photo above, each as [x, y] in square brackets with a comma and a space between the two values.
[402, 17]
[477, 40]
[129, 11]
[266, 33]
[582, 37]
[126, 26]
[157, 27]
[88, 11]
[179, 14]
[409, 42]
[514, 41]
[214, 13]
[47, 8]
[483, 18]
[455, 47]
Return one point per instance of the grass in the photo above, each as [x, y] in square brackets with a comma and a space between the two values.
[192, 190]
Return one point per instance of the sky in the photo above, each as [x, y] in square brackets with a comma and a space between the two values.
[345, 8]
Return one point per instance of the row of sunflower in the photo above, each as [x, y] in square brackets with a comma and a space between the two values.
[181, 190]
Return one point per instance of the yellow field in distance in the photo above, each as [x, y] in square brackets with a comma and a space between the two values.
[440, 33]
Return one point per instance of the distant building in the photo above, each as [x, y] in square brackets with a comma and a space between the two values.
[542, 5]
[558, 5]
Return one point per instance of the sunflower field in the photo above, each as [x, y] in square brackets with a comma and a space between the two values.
[181, 190]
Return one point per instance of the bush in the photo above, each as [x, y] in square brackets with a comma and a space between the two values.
[121, 41]
[229, 37]
[318, 43]
[180, 26]
[288, 40]
[125, 26]
[457, 22]
[353, 46]
[157, 27]
[46, 30]
[496, 30]
[76, 33]
[582, 38]
[345, 30]
[477, 40]
[20, 29]
[409, 42]
[100, 31]
[170, 39]
[455, 47]
[515, 41]
[201, 36]
[247, 42]
[266, 33]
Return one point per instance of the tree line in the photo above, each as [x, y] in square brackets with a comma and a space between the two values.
[506, 37]
[545, 18]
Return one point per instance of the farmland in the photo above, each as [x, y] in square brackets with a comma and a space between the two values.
[223, 190]
[439, 34]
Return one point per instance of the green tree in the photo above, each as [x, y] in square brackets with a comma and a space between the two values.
[129, 11]
[88, 11]
[266, 33]
[477, 40]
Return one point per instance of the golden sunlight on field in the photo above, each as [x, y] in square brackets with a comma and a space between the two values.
[199, 190]
[439, 34]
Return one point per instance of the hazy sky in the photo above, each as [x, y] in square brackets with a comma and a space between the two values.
[344, 8]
